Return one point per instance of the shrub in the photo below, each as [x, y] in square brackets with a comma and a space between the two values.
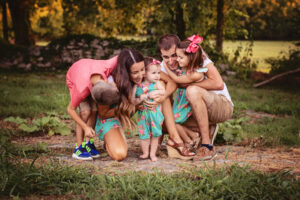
[285, 62]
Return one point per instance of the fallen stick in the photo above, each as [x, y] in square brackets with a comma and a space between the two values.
[276, 77]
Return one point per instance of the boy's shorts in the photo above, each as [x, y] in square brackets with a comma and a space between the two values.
[105, 125]
[220, 110]
[87, 104]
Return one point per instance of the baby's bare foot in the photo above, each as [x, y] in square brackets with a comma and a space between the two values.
[144, 156]
[153, 158]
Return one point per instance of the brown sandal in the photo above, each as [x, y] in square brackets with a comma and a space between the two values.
[189, 146]
[174, 151]
[196, 142]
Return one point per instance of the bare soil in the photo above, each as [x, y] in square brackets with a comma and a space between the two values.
[259, 158]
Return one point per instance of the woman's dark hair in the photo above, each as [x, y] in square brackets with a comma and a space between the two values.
[195, 59]
[121, 75]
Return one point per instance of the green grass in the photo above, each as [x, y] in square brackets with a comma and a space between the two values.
[281, 102]
[261, 50]
[27, 95]
[30, 96]
[19, 179]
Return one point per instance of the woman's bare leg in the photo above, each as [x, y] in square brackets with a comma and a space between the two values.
[169, 121]
[116, 144]
[194, 135]
[183, 134]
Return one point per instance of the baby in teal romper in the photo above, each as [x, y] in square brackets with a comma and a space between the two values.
[149, 123]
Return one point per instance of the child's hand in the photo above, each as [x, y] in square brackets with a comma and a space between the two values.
[143, 97]
[89, 132]
[156, 94]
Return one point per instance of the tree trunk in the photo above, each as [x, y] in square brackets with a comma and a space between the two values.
[4, 20]
[179, 21]
[220, 25]
[19, 10]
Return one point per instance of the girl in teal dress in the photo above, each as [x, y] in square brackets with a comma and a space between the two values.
[181, 108]
[190, 60]
[149, 121]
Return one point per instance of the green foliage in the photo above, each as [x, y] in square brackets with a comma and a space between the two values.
[16, 120]
[243, 65]
[235, 24]
[285, 62]
[271, 19]
[231, 131]
[48, 124]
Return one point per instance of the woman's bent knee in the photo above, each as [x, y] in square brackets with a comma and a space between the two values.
[118, 153]
[116, 145]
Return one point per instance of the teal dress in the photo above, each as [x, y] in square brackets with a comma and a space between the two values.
[181, 107]
[105, 125]
[149, 121]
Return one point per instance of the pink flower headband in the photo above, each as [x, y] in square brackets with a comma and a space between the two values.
[155, 62]
[196, 40]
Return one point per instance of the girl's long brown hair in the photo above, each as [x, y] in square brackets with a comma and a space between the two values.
[121, 75]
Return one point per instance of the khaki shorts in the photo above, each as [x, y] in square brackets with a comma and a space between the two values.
[87, 104]
[220, 110]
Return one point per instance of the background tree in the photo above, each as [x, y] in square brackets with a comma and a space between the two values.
[47, 19]
[4, 20]
[220, 25]
[20, 13]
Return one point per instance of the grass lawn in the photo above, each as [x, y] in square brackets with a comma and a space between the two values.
[31, 95]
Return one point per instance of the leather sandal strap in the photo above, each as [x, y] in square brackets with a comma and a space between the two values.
[184, 151]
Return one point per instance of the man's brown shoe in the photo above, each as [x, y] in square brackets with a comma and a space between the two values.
[203, 153]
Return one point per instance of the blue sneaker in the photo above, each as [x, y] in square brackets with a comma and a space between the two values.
[90, 147]
[81, 153]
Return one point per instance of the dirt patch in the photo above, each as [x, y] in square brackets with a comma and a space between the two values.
[265, 159]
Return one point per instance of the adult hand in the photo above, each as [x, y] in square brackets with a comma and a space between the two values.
[151, 105]
[89, 132]
[143, 97]
[156, 101]
[154, 95]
